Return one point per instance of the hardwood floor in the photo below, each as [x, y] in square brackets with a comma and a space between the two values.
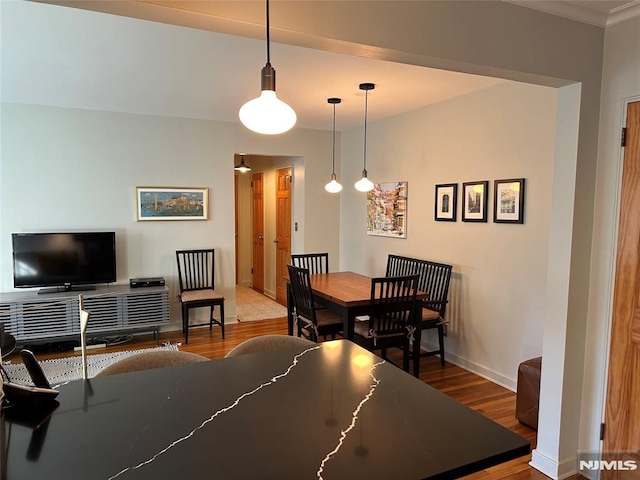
[477, 393]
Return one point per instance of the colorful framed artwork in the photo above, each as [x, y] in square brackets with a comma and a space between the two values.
[508, 201]
[474, 201]
[171, 203]
[446, 202]
[387, 210]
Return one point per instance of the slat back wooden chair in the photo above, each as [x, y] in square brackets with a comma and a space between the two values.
[434, 280]
[392, 316]
[197, 287]
[311, 322]
[314, 262]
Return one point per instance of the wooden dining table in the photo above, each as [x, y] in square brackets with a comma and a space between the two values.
[346, 292]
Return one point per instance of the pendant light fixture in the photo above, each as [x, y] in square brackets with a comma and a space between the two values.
[364, 184]
[333, 186]
[267, 114]
[242, 167]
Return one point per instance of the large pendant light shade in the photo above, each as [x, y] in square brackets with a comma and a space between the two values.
[267, 114]
[364, 184]
[333, 186]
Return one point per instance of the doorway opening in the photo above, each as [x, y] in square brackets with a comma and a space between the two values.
[264, 208]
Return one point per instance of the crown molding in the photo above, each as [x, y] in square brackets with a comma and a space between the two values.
[578, 11]
[624, 12]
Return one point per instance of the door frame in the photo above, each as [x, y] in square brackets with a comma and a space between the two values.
[611, 280]
[268, 165]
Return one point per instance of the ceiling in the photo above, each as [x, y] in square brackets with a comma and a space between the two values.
[130, 65]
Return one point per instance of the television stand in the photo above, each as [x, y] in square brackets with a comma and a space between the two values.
[32, 318]
[66, 288]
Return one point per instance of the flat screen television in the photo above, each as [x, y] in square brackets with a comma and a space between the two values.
[63, 261]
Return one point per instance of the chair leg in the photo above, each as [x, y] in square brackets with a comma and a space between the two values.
[222, 318]
[405, 357]
[211, 318]
[415, 353]
[185, 323]
[441, 341]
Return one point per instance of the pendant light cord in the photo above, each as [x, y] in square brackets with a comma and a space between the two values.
[268, 41]
[366, 107]
[333, 162]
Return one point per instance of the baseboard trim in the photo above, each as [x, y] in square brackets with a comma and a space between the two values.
[508, 383]
[552, 468]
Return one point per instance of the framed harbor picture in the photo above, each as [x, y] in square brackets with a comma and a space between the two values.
[172, 203]
[446, 202]
[508, 201]
[474, 201]
[387, 210]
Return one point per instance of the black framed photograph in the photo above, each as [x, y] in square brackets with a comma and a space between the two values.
[474, 201]
[508, 201]
[446, 202]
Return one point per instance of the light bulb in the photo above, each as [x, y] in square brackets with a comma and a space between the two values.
[267, 114]
[364, 184]
[333, 186]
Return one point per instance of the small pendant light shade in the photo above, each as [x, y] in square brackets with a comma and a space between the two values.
[364, 184]
[267, 114]
[242, 167]
[333, 186]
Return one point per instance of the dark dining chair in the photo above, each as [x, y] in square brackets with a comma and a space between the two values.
[392, 316]
[314, 262]
[434, 281]
[197, 287]
[311, 322]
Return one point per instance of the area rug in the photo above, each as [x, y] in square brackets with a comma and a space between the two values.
[252, 306]
[61, 370]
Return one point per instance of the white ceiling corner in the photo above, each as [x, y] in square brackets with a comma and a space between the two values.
[601, 13]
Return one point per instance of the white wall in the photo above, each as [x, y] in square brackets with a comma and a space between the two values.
[620, 84]
[68, 169]
[499, 274]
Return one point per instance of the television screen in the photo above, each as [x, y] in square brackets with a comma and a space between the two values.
[63, 259]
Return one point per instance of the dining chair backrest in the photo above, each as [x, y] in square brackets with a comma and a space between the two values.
[196, 269]
[314, 262]
[393, 303]
[268, 343]
[434, 279]
[151, 360]
[398, 266]
[302, 293]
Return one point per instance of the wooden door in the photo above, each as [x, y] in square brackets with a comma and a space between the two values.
[283, 231]
[257, 193]
[622, 413]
